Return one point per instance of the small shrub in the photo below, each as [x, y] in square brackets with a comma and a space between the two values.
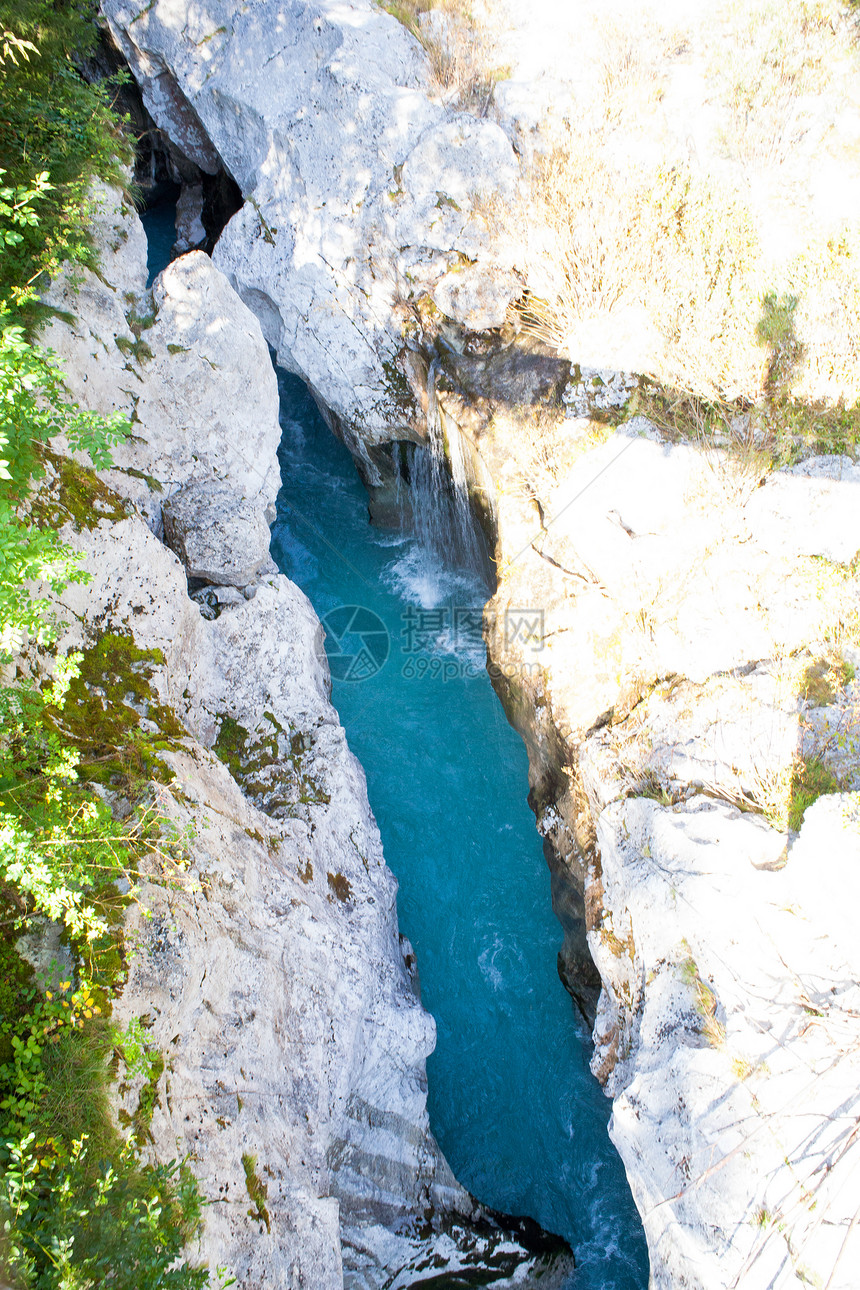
[704, 1003]
[771, 57]
[824, 679]
[57, 124]
[776, 330]
[667, 253]
[137, 349]
[77, 1205]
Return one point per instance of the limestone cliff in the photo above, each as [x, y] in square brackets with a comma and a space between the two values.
[270, 976]
[688, 691]
[363, 197]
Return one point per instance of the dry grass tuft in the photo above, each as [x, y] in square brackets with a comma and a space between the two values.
[663, 250]
[460, 47]
[773, 56]
[827, 281]
[643, 258]
[705, 1004]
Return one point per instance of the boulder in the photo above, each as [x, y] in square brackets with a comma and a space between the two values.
[190, 233]
[217, 534]
[186, 363]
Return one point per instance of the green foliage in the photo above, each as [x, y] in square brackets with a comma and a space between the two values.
[56, 127]
[16, 991]
[53, 836]
[33, 409]
[16, 208]
[72, 1220]
[257, 1191]
[776, 330]
[78, 1207]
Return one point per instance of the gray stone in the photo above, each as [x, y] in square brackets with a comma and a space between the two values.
[196, 380]
[217, 534]
[190, 233]
[478, 301]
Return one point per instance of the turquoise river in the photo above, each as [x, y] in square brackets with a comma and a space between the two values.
[512, 1101]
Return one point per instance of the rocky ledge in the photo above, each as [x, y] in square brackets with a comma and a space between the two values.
[269, 974]
[366, 203]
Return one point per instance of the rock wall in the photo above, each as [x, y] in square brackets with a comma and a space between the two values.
[365, 200]
[270, 975]
[689, 674]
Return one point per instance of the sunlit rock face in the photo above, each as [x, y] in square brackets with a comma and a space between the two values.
[185, 363]
[363, 198]
[218, 537]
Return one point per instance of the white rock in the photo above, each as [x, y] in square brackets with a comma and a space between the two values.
[477, 301]
[217, 535]
[190, 233]
[711, 981]
[321, 113]
[681, 614]
[811, 510]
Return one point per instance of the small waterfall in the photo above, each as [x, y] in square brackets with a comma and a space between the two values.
[438, 502]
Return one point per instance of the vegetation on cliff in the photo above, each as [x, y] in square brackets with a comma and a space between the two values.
[690, 226]
[78, 1206]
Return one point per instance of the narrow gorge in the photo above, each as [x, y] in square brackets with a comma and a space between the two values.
[363, 490]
